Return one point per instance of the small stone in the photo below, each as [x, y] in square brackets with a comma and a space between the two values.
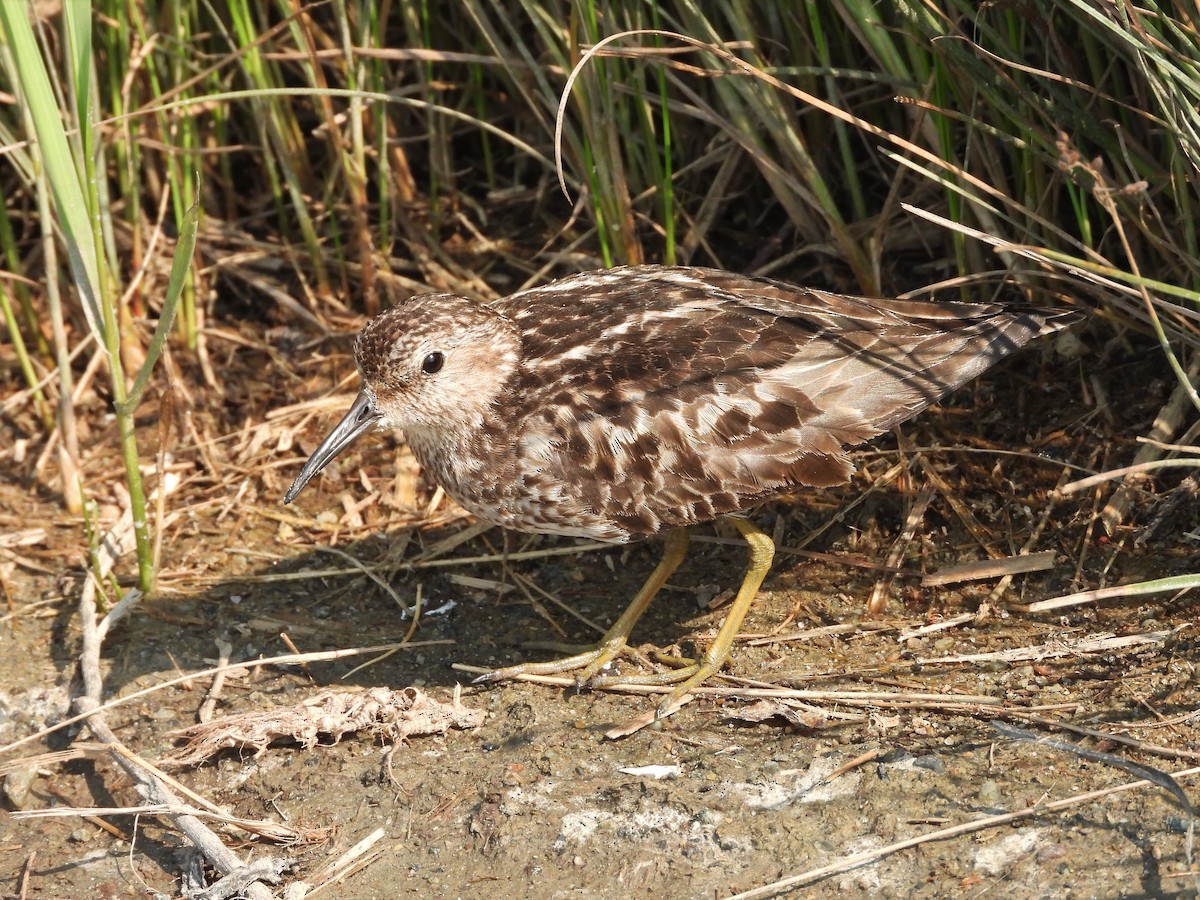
[18, 786]
[989, 793]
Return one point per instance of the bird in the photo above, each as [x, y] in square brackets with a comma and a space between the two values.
[627, 403]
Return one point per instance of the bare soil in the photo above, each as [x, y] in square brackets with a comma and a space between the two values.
[894, 743]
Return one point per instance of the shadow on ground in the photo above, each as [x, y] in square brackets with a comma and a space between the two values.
[536, 803]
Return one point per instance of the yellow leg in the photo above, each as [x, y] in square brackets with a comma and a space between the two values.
[610, 646]
[762, 552]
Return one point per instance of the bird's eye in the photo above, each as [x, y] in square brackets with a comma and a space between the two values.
[432, 363]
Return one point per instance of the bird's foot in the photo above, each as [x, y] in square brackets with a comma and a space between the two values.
[592, 658]
[586, 663]
[689, 674]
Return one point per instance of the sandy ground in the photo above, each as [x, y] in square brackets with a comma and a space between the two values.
[891, 742]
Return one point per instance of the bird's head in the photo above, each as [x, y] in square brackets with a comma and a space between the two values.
[431, 367]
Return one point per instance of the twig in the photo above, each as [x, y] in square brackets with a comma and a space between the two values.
[1154, 776]
[1166, 425]
[208, 707]
[976, 570]
[1189, 462]
[1140, 746]
[1141, 589]
[290, 659]
[916, 515]
[150, 787]
[845, 864]
[350, 861]
[26, 870]
[236, 884]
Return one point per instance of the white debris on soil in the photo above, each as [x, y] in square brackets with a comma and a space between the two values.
[1001, 855]
[799, 785]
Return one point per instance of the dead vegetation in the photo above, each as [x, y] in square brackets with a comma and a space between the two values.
[984, 568]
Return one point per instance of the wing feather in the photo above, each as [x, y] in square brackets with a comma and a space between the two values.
[686, 394]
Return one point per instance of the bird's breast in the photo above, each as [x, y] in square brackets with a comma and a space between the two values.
[495, 476]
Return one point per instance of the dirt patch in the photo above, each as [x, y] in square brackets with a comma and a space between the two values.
[891, 741]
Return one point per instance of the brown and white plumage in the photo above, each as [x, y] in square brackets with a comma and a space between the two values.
[618, 404]
[614, 404]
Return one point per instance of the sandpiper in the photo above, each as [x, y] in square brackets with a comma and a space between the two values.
[630, 402]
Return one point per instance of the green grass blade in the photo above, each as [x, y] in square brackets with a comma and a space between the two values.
[182, 262]
[66, 185]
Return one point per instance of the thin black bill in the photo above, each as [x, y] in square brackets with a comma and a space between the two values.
[361, 417]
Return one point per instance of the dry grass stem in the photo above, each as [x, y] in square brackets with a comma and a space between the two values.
[990, 568]
[783, 885]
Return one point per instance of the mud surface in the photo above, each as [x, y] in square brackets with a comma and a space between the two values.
[893, 743]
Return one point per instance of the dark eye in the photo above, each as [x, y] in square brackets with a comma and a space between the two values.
[433, 363]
